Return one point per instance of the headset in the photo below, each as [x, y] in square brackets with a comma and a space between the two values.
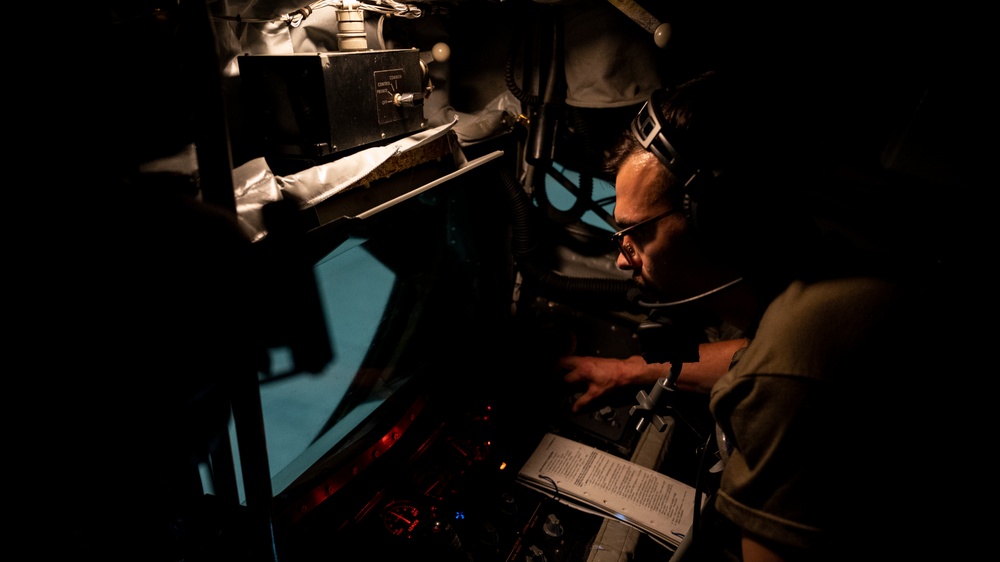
[648, 127]
[634, 296]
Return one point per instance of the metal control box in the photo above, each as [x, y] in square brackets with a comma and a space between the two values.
[316, 106]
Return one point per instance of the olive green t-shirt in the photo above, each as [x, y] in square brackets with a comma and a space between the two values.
[803, 411]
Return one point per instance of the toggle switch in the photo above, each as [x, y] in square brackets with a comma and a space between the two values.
[408, 100]
[535, 554]
[552, 527]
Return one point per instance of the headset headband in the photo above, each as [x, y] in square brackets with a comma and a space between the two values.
[647, 128]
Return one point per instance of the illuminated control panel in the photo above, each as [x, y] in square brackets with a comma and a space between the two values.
[451, 497]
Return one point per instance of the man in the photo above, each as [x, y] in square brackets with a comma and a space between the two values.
[812, 410]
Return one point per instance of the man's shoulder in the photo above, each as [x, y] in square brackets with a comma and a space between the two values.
[835, 291]
[813, 329]
[830, 306]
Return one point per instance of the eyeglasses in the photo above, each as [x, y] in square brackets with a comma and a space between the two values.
[628, 250]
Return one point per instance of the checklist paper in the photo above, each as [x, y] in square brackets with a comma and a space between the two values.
[596, 481]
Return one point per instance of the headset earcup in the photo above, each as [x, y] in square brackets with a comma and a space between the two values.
[691, 211]
[697, 189]
[712, 213]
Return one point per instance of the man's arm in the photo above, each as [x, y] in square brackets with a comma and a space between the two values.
[603, 374]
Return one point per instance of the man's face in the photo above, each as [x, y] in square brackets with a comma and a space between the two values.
[662, 253]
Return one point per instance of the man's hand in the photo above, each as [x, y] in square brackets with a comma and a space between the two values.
[601, 374]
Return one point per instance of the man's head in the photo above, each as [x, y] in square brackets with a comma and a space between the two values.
[658, 241]
[690, 197]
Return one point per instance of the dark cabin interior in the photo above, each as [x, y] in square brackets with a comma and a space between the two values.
[193, 277]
